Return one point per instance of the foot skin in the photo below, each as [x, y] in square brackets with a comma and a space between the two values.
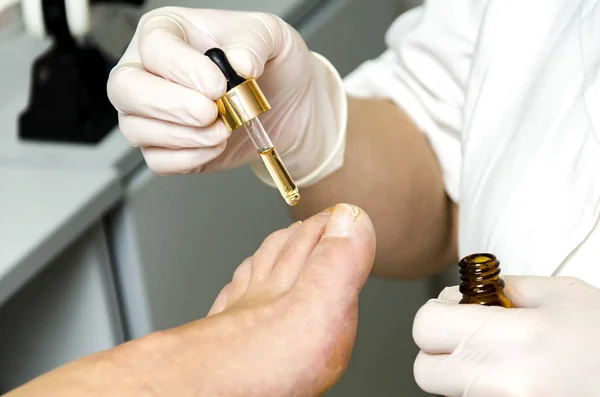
[286, 324]
[283, 327]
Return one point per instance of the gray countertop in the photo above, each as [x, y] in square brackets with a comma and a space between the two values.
[42, 211]
[15, 67]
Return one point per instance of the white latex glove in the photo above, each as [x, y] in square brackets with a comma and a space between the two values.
[548, 346]
[164, 89]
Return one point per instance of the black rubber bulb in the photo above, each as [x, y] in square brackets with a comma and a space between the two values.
[220, 59]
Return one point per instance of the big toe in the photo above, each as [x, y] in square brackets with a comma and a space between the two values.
[340, 263]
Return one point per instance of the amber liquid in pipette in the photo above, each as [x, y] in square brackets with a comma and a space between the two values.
[280, 176]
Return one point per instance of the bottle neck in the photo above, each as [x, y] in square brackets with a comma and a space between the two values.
[480, 275]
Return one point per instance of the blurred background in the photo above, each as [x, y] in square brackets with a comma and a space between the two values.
[95, 249]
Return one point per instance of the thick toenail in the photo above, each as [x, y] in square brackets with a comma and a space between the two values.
[327, 211]
[341, 221]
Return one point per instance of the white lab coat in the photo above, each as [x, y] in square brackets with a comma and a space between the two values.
[508, 93]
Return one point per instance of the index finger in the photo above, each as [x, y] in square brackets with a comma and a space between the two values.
[172, 81]
[164, 50]
[132, 90]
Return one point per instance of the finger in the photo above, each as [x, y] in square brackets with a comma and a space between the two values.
[164, 51]
[257, 41]
[171, 161]
[264, 42]
[268, 252]
[298, 249]
[132, 90]
[451, 294]
[442, 375]
[253, 37]
[440, 327]
[142, 131]
[221, 301]
[239, 282]
[535, 291]
[340, 264]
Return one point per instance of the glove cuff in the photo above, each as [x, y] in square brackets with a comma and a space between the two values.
[326, 135]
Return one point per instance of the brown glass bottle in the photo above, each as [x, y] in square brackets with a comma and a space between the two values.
[481, 282]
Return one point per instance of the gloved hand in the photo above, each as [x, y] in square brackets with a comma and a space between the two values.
[548, 346]
[164, 89]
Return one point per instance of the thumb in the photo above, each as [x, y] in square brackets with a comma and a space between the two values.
[255, 39]
[261, 41]
[535, 291]
[249, 40]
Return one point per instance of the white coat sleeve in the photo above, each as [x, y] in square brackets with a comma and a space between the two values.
[425, 71]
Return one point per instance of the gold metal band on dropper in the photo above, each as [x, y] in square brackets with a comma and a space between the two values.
[241, 104]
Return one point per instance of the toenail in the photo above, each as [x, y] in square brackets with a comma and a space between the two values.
[327, 211]
[341, 221]
[295, 225]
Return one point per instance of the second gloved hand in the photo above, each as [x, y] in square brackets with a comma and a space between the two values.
[547, 346]
[164, 89]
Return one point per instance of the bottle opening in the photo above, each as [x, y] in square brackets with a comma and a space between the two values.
[479, 258]
[479, 274]
[481, 282]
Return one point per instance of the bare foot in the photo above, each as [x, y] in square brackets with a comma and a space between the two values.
[285, 325]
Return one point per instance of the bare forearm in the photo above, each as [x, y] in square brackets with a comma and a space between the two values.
[391, 172]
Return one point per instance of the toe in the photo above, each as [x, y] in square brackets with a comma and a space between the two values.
[265, 257]
[297, 250]
[221, 301]
[239, 282]
[340, 263]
